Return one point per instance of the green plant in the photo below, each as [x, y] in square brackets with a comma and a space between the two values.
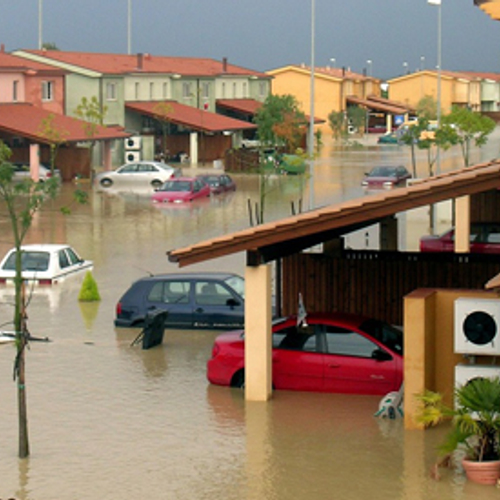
[475, 419]
[89, 291]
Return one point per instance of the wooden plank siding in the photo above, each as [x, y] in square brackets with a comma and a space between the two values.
[374, 283]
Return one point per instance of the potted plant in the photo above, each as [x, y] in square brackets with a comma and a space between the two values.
[475, 426]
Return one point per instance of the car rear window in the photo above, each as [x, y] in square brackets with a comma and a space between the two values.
[30, 261]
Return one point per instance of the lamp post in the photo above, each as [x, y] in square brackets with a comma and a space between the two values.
[369, 63]
[129, 27]
[40, 36]
[369, 74]
[422, 63]
[332, 60]
[405, 68]
[438, 97]
[311, 111]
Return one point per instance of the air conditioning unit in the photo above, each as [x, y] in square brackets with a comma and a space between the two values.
[133, 143]
[132, 156]
[465, 373]
[477, 325]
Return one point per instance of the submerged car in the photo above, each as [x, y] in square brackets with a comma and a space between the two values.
[484, 238]
[23, 171]
[386, 177]
[193, 300]
[221, 183]
[43, 264]
[149, 173]
[334, 352]
[389, 138]
[180, 190]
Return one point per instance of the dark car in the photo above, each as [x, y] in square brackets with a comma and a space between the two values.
[386, 177]
[221, 183]
[334, 352]
[484, 238]
[193, 300]
[389, 138]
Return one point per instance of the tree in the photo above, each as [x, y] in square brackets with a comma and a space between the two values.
[55, 135]
[463, 126]
[356, 116]
[21, 200]
[50, 46]
[92, 112]
[280, 122]
[427, 108]
[336, 120]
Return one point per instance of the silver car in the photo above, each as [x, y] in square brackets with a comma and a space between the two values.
[152, 173]
[22, 171]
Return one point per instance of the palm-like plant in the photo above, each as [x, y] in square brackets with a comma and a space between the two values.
[475, 420]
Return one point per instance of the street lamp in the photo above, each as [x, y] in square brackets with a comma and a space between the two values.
[40, 37]
[332, 60]
[129, 27]
[438, 97]
[369, 62]
[405, 67]
[311, 111]
[422, 63]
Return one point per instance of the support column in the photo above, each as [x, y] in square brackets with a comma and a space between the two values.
[35, 161]
[462, 224]
[107, 156]
[193, 148]
[258, 336]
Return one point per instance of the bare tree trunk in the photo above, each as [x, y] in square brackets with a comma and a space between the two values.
[21, 340]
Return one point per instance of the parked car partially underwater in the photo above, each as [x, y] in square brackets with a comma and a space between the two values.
[141, 173]
[221, 183]
[386, 177]
[22, 171]
[43, 264]
[484, 238]
[180, 190]
[192, 300]
[335, 352]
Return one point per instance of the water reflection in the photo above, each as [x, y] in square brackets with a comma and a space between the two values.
[110, 420]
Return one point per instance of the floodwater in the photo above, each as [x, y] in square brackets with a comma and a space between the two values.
[111, 421]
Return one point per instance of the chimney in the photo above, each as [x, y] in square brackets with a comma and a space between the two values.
[224, 64]
[343, 70]
[2, 47]
[139, 60]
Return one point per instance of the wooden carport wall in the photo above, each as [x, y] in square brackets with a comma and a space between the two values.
[273, 240]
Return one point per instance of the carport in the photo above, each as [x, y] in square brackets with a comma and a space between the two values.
[21, 128]
[285, 239]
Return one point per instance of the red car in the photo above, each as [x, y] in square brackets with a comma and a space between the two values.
[180, 190]
[335, 352]
[386, 177]
[484, 238]
[220, 183]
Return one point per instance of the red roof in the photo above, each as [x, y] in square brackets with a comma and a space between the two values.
[13, 63]
[248, 106]
[146, 63]
[190, 117]
[26, 120]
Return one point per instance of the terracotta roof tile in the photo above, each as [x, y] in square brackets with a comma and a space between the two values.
[25, 120]
[14, 63]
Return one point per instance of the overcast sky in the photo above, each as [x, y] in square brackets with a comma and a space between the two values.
[266, 34]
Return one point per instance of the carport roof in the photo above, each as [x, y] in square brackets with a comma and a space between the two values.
[284, 237]
[25, 120]
[380, 104]
[188, 116]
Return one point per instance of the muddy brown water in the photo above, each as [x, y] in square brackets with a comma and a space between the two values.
[108, 420]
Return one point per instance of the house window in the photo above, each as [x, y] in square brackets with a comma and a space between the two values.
[186, 90]
[136, 90]
[151, 90]
[165, 90]
[15, 90]
[205, 90]
[47, 91]
[111, 91]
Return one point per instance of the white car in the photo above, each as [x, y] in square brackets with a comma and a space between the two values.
[22, 171]
[43, 264]
[152, 173]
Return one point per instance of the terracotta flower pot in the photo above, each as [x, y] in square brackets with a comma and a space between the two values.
[482, 472]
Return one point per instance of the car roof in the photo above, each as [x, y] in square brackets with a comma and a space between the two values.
[182, 179]
[346, 319]
[46, 247]
[202, 275]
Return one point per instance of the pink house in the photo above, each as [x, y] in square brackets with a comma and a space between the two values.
[24, 81]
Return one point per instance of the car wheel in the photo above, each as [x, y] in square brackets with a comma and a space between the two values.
[156, 183]
[106, 182]
[238, 379]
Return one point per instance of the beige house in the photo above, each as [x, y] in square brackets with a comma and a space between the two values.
[457, 89]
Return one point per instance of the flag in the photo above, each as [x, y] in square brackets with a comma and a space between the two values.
[434, 2]
[302, 313]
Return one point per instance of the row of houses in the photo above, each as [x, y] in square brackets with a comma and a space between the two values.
[195, 108]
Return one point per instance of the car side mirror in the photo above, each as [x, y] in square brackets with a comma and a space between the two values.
[232, 302]
[381, 355]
